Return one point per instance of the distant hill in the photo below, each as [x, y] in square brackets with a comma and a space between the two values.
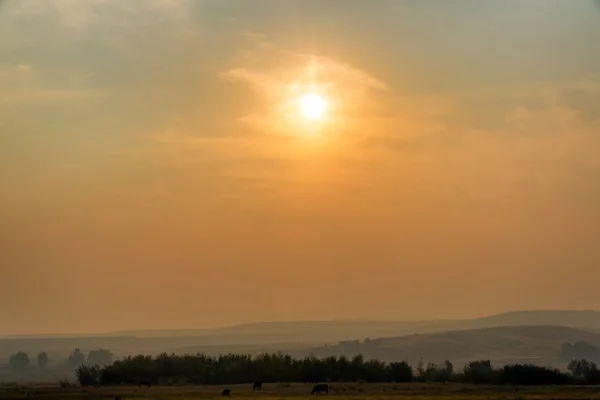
[535, 344]
[355, 329]
[573, 318]
[272, 336]
[269, 332]
[302, 330]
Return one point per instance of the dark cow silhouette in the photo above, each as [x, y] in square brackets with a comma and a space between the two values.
[321, 388]
[226, 393]
[145, 383]
[257, 385]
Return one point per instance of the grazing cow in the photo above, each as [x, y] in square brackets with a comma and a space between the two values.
[226, 393]
[145, 383]
[257, 385]
[321, 388]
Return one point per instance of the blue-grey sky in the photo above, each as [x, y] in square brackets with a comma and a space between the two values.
[154, 162]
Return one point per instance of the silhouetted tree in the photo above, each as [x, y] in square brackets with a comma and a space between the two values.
[19, 362]
[592, 375]
[42, 360]
[436, 373]
[528, 374]
[585, 372]
[479, 372]
[375, 371]
[400, 372]
[431, 372]
[88, 375]
[76, 359]
[578, 368]
[100, 357]
[237, 369]
[448, 369]
[421, 370]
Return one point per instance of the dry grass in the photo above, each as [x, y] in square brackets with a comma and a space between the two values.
[355, 391]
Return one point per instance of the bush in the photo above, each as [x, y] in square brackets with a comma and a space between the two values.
[531, 375]
[400, 372]
[479, 372]
[88, 375]
[65, 383]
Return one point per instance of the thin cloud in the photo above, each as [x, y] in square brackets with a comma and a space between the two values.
[37, 96]
[84, 15]
[277, 84]
[23, 85]
[313, 68]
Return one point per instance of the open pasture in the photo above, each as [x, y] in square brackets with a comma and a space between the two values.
[354, 391]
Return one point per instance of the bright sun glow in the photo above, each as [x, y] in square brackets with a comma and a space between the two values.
[312, 106]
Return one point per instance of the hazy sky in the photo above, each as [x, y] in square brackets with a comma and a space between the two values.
[156, 173]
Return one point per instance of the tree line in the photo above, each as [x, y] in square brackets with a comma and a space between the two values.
[20, 362]
[201, 369]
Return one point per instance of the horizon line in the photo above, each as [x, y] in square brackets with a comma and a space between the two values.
[128, 332]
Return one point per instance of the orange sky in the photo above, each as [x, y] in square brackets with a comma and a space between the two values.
[156, 173]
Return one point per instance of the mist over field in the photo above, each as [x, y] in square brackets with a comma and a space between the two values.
[547, 338]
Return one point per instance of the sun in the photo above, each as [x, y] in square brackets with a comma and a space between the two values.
[312, 106]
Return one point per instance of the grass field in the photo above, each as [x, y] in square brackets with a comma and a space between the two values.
[354, 391]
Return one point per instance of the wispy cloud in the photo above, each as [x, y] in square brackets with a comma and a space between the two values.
[278, 85]
[37, 96]
[366, 115]
[23, 85]
[123, 25]
[75, 14]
